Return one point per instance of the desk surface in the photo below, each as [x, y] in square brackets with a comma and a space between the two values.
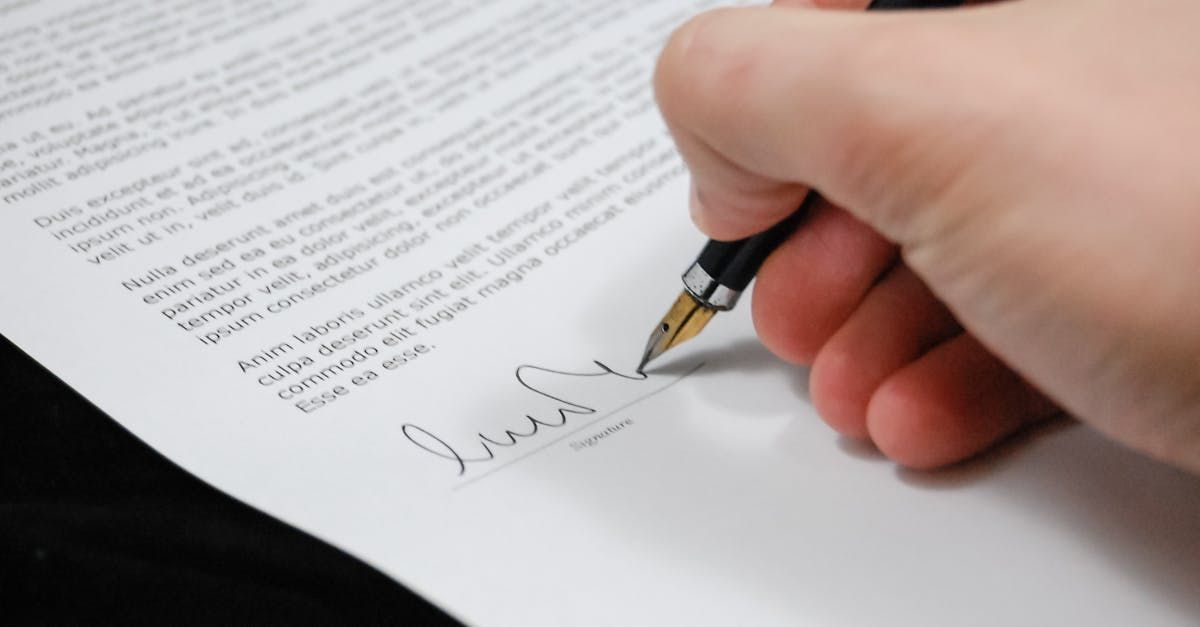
[96, 527]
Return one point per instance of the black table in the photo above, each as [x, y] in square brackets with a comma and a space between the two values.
[98, 528]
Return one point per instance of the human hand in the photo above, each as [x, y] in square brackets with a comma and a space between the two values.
[1021, 228]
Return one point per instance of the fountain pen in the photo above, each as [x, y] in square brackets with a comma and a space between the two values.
[723, 270]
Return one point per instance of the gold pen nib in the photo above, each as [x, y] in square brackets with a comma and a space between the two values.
[685, 319]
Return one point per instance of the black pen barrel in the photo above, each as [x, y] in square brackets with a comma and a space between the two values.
[734, 264]
[912, 4]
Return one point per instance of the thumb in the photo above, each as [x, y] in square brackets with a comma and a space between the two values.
[766, 101]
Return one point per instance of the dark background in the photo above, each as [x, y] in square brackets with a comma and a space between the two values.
[97, 528]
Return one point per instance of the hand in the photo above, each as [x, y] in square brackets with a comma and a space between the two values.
[1021, 222]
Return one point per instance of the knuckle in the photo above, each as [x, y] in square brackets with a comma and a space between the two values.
[705, 64]
[883, 70]
[899, 152]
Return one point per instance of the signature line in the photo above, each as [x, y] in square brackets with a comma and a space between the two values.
[580, 427]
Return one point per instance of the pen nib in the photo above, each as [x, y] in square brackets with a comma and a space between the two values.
[685, 319]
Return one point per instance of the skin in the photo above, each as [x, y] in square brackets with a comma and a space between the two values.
[1013, 225]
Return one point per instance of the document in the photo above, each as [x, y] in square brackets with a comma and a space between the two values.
[384, 271]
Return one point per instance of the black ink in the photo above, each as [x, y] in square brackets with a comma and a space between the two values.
[439, 448]
[436, 446]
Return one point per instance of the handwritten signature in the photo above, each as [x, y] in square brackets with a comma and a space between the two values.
[483, 447]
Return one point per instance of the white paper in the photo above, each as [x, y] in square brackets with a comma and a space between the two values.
[175, 178]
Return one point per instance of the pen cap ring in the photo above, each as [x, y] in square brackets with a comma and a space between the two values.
[707, 290]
